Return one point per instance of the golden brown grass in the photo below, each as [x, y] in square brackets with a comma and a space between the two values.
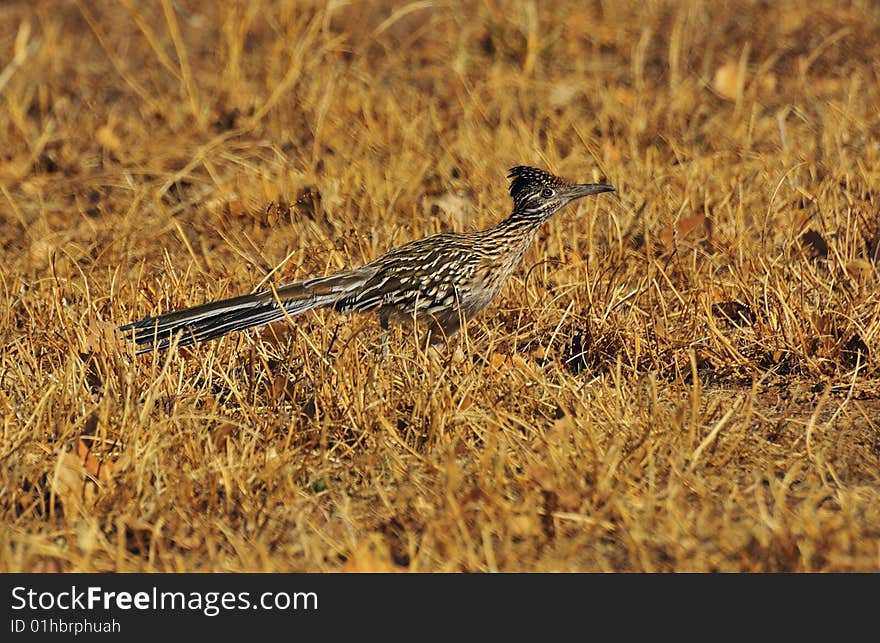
[683, 376]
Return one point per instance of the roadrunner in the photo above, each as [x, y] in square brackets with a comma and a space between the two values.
[442, 281]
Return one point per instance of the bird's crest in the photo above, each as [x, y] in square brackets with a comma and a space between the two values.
[525, 181]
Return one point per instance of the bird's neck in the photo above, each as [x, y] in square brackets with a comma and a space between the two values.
[520, 222]
[515, 233]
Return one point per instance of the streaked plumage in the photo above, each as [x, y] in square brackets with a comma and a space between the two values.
[440, 280]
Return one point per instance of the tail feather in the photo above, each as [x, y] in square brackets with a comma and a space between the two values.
[215, 319]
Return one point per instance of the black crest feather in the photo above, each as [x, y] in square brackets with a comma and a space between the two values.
[525, 180]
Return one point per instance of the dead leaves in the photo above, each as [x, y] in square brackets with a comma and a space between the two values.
[107, 137]
[94, 336]
[696, 227]
[728, 81]
[734, 313]
[814, 244]
[732, 79]
[371, 555]
[78, 478]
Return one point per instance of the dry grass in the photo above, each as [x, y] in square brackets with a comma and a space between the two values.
[683, 376]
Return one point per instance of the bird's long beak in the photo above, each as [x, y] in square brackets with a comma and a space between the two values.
[586, 189]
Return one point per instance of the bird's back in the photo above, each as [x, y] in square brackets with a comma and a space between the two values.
[444, 279]
[418, 278]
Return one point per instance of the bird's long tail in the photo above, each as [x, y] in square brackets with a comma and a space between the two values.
[215, 319]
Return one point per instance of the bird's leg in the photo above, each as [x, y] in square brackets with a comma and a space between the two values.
[429, 343]
[434, 341]
[383, 322]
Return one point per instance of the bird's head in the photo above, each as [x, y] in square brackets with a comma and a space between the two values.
[536, 192]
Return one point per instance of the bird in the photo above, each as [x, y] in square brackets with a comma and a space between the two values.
[441, 281]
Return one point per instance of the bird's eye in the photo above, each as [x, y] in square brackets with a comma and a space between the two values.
[547, 193]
